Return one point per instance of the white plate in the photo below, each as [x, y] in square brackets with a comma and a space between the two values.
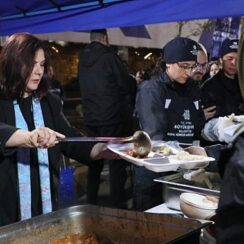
[158, 162]
[160, 165]
[197, 161]
[154, 161]
[120, 148]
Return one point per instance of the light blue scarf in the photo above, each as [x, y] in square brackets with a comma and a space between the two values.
[23, 165]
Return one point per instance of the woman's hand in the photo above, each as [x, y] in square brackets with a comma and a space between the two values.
[43, 137]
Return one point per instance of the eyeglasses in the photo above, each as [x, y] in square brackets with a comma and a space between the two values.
[186, 67]
[200, 66]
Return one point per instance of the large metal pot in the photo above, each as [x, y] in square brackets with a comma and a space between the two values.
[115, 226]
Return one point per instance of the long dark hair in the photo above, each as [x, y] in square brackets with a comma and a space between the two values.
[17, 62]
[159, 67]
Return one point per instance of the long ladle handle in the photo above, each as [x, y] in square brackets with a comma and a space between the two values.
[98, 139]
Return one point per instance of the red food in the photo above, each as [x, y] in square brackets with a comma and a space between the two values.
[76, 239]
[131, 153]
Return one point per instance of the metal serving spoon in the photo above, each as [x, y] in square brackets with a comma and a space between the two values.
[141, 140]
[142, 143]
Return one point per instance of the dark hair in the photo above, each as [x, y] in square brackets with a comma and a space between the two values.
[159, 67]
[97, 35]
[17, 62]
[212, 63]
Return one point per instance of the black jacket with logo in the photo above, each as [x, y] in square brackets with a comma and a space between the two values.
[168, 110]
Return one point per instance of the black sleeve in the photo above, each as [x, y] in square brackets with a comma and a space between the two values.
[214, 151]
[230, 213]
[79, 151]
[6, 131]
[207, 97]
[233, 182]
[122, 78]
[149, 110]
[126, 84]
[211, 94]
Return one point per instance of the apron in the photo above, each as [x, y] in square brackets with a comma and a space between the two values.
[182, 115]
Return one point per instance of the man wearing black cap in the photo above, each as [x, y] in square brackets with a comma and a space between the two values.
[223, 90]
[106, 99]
[167, 109]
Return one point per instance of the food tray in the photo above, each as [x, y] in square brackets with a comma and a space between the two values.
[158, 162]
[112, 225]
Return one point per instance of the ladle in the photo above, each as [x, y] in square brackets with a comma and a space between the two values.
[142, 143]
[141, 140]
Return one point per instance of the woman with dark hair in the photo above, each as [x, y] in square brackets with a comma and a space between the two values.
[29, 176]
[17, 68]
[213, 68]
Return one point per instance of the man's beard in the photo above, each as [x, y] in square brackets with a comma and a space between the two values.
[198, 76]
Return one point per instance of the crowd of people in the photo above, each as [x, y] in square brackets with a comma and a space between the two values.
[171, 103]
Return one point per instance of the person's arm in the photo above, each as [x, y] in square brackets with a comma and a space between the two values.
[100, 151]
[12, 137]
[44, 137]
[210, 151]
[82, 152]
[150, 113]
[41, 137]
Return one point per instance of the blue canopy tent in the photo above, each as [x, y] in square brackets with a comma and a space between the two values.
[46, 16]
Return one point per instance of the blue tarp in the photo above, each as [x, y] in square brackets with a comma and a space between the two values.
[45, 16]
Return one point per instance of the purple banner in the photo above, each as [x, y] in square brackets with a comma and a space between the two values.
[224, 28]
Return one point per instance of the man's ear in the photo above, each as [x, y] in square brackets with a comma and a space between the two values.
[221, 61]
[167, 66]
[104, 40]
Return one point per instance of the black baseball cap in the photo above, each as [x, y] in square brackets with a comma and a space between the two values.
[180, 49]
[228, 46]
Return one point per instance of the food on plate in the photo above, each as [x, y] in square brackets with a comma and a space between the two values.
[185, 156]
[165, 150]
[132, 153]
[129, 152]
[142, 145]
[76, 238]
